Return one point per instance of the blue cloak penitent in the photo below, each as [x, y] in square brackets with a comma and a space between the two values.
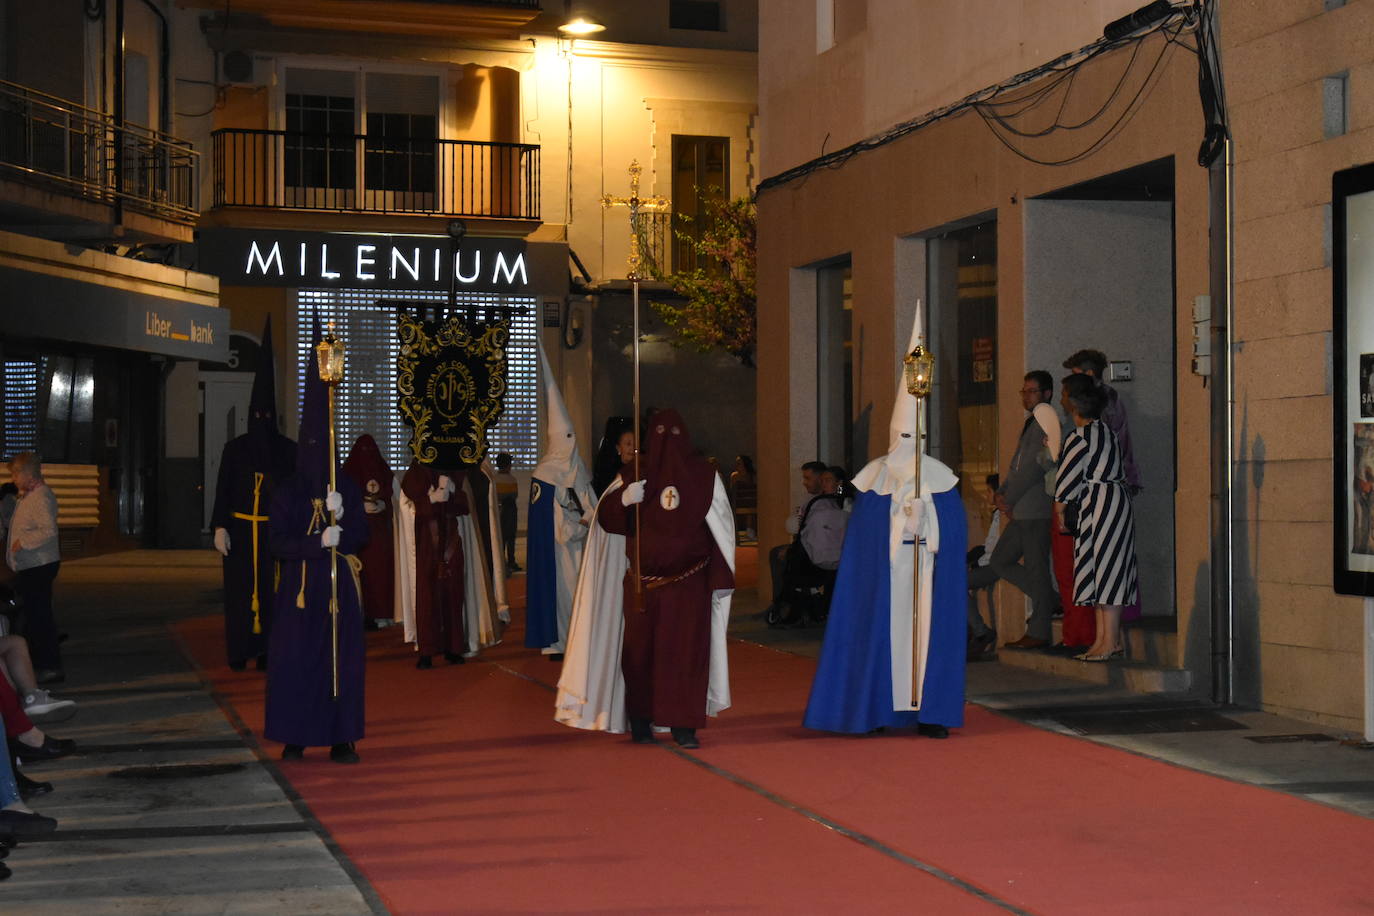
[852, 691]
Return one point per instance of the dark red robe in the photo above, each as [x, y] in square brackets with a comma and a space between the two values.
[666, 653]
[369, 470]
[439, 580]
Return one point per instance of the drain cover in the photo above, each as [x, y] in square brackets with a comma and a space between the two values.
[1288, 739]
[177, 771]
[1144, 721]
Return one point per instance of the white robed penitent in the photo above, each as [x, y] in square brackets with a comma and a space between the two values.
[591, 688]
[894, 475]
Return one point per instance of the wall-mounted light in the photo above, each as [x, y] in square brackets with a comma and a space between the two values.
[580, 25]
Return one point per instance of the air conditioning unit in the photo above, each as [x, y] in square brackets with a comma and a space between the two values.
[237, 68]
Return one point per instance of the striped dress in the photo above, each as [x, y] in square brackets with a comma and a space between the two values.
[1091, 475]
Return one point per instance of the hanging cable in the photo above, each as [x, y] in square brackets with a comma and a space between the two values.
[1062, 69]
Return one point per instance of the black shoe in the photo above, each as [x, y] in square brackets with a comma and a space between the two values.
[642, 731]
[30, 788]
[555, 656]
[50, 749]
[4, 854]
[514, 567]
[343, 753]
[238, 666]
[293, 752]
[424, 663]
[686, 737]
[453, 658]
[5, 872]
[931, 730]
[260, 663]
[50, 676]
[24, 826]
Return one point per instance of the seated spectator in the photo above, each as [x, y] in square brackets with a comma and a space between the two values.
[813, 557]
[777, 557]
[17, 820]
[982, 637]
[835, 482]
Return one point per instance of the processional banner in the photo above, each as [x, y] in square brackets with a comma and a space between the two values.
[450, 381]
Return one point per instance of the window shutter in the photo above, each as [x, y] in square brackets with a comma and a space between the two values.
[21, 406]
[366, 401]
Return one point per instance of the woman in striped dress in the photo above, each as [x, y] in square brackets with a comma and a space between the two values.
[1091, 480]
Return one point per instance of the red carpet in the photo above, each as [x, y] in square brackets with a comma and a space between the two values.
[471, 799]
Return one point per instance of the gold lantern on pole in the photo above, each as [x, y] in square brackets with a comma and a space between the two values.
[330, 356]
[918, 370]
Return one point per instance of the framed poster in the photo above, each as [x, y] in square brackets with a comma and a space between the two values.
[1352, 211]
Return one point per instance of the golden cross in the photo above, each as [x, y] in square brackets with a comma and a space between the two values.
[636, 204]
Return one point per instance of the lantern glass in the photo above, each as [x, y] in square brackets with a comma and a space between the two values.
[330, 355]
[919, 369]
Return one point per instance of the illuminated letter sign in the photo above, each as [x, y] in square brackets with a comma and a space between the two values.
[248, 257]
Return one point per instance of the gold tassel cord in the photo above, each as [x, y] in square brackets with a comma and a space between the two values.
[255, 519]
[316, 518]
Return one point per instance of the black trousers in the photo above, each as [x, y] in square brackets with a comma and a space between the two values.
[510, 519]
[34, 588]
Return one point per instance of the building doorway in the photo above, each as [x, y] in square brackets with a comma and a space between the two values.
[1099, 274]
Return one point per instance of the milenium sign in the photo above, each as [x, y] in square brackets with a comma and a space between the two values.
[247, 257]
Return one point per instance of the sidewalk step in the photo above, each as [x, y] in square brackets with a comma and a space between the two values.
[1138, 677]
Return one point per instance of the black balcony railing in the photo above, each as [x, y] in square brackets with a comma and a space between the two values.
[54, 142]
[375, 174]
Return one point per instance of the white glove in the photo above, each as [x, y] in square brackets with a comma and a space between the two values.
[446, 484]
[915, 512]
[222, 541]
[334, 503]
[330, 537]
[634, 493]
[438, 494]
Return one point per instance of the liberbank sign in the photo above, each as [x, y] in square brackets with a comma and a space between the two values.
[247, 257]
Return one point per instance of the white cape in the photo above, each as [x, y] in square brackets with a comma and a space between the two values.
[498, 559]
[591, 688]
[403, 536]
[480, 602]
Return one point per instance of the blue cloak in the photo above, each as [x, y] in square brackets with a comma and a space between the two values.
[852, 691]
[541, 568]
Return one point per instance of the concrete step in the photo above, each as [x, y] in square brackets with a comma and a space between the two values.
[1138, 677]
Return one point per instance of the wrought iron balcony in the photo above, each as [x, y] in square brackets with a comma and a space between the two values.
[50, 141]
[375, 174]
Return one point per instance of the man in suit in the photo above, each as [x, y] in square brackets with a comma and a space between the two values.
[1022, 554]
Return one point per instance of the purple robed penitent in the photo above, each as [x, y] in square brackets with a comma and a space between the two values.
[300, 706]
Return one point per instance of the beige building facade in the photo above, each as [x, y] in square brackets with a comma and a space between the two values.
[1067, 209]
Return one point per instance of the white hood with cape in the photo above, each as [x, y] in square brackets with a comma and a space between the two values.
[894, 474]
[561, 467]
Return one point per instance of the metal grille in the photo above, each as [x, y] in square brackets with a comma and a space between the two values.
[366, 402]
[21, 406]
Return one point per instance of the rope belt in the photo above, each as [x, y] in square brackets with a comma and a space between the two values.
[653, 582]
[316, 518]
[256, 520]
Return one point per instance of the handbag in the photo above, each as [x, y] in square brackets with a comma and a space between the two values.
[1070, 516]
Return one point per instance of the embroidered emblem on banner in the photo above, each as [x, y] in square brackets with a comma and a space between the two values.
[670, 498]
[451, 381]
[536, 491]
